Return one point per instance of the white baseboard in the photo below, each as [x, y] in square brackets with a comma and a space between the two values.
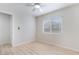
[59, 45]
[21, 43]
[76, 50]
[5, 42]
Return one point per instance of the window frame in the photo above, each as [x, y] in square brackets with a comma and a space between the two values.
[50, 32]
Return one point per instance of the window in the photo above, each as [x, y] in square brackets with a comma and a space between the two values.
[53, 25]
[47, 27]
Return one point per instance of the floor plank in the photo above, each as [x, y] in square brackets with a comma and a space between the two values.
[35, 48]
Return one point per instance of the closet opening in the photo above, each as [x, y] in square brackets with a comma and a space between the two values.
[5, 29]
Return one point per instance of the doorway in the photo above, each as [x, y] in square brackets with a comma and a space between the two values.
[5, 28]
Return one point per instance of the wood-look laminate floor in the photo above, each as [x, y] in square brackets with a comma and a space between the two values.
[35, 48]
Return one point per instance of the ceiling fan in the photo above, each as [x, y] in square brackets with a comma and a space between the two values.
[35, 6]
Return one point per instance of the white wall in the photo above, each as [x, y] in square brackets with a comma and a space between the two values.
[27, 29]
[22, 17]
[5, 28]
[69, 38]
[26, 22]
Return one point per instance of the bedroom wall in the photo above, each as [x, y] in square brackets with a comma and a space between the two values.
[69, 38]
[26, 33]
[20, 18]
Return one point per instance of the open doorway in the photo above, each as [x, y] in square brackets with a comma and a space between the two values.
[5, 29]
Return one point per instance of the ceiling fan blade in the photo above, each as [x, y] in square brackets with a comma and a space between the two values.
[29, 4]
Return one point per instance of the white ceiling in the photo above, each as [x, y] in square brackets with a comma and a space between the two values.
[21, 7]
[50, 7]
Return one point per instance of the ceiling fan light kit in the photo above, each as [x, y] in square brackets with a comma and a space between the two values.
[36, 6]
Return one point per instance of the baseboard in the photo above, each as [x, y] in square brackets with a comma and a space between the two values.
[4, 42]
[76, 50]
[62, 46]
[21, 43]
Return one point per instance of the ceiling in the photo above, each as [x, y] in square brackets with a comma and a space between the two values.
[50, 7]
[21, 7]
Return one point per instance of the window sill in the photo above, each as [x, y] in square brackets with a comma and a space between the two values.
[52, 33]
